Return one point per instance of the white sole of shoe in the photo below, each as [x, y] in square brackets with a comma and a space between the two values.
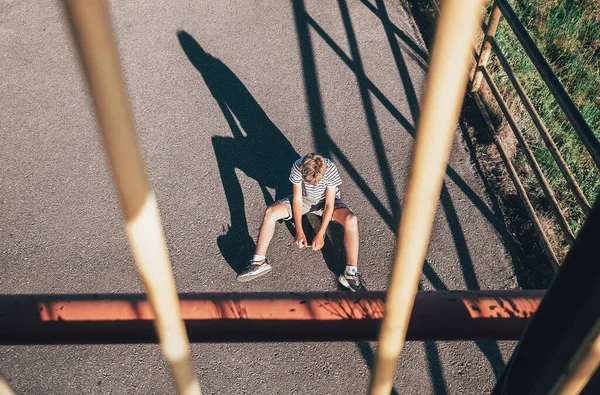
[260, 272]
[342, 280]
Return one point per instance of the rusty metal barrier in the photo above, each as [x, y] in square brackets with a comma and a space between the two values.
[264, 317]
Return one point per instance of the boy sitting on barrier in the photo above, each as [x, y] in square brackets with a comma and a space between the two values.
[316, 183]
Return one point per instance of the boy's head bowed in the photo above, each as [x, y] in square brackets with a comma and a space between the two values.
[313, 168]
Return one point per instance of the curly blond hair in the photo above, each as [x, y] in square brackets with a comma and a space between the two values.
[313, 168]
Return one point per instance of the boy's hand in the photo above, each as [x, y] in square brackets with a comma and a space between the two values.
[318, 242]
[301, 239]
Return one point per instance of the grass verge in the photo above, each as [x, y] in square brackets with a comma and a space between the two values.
[568, 34]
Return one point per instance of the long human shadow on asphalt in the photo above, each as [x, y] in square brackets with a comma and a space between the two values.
[325, 144]
[260, 150]
[257, 148]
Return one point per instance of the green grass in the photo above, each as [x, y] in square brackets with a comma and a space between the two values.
[567, 32]
[568, 35]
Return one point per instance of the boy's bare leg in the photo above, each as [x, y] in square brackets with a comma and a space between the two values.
[347, 219]
[273, 214]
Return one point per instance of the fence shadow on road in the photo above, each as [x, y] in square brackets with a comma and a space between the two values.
[325, 144]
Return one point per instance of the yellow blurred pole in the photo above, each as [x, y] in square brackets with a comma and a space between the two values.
[90, 22]
[580, 370]
[5, 388]
[446, 83]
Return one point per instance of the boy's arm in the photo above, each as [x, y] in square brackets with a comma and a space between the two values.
[297, 213]
[327, 214]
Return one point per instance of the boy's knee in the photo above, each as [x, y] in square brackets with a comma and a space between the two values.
[350, 221]
[271, 213]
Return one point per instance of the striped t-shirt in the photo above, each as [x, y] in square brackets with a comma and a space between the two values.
[317, 192]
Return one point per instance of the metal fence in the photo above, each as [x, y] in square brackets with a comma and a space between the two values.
[501, 8]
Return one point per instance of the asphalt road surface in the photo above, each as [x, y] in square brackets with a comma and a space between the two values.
[226, 95]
